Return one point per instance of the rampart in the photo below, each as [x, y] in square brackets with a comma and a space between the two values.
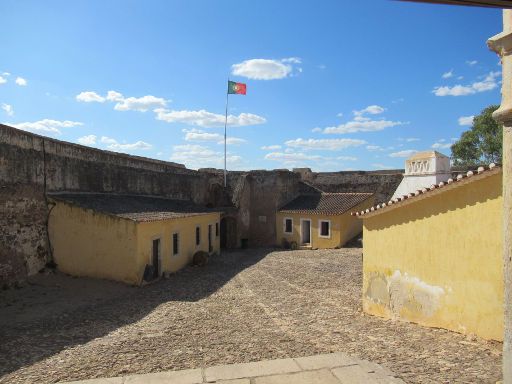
[31, 165]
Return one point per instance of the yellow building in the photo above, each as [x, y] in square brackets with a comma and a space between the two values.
[434, 256]
[128, 238]
[321, 220]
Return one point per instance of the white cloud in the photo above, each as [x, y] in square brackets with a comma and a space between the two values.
[87, 140]
[107, 140]
[363, 126]
[448, 74]
[198, 156]
[204, 118]
[114, 145]
[363, 123]
[374, 148]
[197, 135]
[138, 145]
[47, 126]
[202, 136]
[471, 62]
[271, 147]
[317, 129]
[233, 141]
[346, 158]
[408, 139]
[89, 97]
[441, 144]
[371, 110]
[265, 69]
[8, 109]
[487, 84]
[324, 144]
[404, 153]
[114, 96]
[3, 80]
[141, 104]
[21, 81]
[466, 120]
[291, 157]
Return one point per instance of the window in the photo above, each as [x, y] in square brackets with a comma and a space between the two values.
[216, 229]
[198, 235]
[325, 228]
[288, 225]
[175, 244]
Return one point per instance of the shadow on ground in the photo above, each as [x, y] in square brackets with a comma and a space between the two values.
[57, 312]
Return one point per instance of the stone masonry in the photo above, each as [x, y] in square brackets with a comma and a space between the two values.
[32, 165]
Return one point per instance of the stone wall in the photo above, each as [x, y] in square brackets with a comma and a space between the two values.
[382, 183]
[32, 164]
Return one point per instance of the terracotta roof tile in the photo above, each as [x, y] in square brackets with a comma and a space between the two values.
[325, 203]
[427, 192]
[134, 207]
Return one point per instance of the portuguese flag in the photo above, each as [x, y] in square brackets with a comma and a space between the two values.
[237, 88]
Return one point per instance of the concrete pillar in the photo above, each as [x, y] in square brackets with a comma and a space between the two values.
[502, 45]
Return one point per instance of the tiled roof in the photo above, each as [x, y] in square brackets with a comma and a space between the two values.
[433, 190]
[426, 154]
[133, 207]
[325, 203]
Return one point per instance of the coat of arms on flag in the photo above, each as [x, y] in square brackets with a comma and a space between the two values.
[237, 88]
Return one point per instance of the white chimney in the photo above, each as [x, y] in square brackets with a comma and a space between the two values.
[422, 170]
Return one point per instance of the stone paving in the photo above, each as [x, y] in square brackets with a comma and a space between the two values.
[242, 307]
[333, 368]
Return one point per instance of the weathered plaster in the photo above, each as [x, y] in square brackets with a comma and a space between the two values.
[437, 260]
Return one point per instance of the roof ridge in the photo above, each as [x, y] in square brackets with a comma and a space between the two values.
[460, 177]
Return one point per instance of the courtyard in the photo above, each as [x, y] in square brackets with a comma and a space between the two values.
[243, 306]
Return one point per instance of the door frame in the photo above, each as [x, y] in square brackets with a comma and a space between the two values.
[302, 232]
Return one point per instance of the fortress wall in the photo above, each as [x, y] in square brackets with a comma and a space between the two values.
[31, 164]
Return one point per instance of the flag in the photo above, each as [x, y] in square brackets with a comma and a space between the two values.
[237, 88]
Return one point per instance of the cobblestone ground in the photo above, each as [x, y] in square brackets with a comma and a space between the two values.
[243, 306]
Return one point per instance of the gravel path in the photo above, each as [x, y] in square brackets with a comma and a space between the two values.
[243, 306]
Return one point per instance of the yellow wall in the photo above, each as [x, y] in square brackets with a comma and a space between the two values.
[86, 243]
[437, 261]
[90, 244]
[186, 227]
[343, 227]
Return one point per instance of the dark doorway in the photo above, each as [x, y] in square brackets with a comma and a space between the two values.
[156, 258]
[228, 233]
[210, 246]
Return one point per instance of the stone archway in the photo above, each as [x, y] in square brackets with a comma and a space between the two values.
[228, 233]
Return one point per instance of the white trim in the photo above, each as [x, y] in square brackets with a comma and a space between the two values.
[284, 225]
[320, 221]
[172, 244]
[310, 232]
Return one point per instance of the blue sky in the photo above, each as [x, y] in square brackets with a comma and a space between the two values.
[331, 85]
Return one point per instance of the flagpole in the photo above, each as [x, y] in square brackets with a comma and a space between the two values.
[225, 135]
